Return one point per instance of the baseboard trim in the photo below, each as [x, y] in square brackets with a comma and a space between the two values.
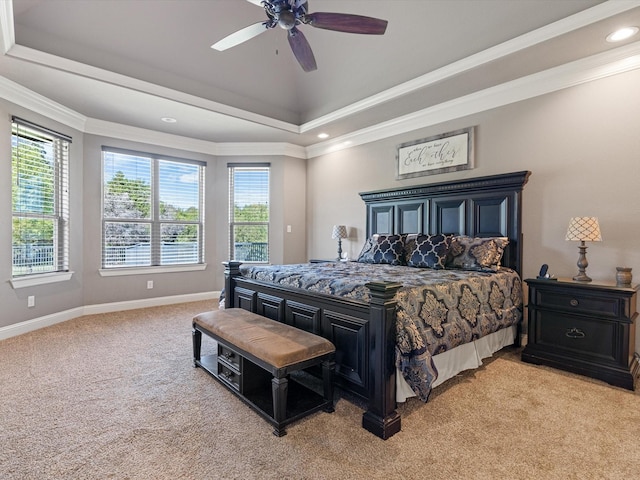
[59, 317]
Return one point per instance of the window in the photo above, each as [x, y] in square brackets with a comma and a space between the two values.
[152, 210]
[249, 212]
[40, 199]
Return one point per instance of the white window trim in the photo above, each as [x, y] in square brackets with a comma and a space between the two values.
[118, 272]
[40, 279]
[141, 270]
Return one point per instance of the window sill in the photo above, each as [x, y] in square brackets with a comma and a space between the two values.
[117, 272]
[40, 279]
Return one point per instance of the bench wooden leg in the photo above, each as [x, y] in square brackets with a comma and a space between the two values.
[328, 368]
[196, 336]
[279, 389]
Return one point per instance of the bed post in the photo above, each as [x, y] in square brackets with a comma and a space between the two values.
[381, 418]
[231, 271]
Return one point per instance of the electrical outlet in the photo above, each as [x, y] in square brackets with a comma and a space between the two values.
[31, 301]
[288, 228]
[149, 284]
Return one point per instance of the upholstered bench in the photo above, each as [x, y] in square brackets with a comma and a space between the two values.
[254, 351]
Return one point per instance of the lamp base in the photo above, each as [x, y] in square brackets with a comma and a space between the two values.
[582, 264]
[581, 277]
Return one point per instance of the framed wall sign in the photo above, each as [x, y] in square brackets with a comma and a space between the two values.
[444, 153]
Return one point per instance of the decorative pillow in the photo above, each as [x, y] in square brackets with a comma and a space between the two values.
[387, 249]
[476, 253]
[428, 251]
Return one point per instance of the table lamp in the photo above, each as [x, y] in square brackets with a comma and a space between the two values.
[583, 229]
[339, 232]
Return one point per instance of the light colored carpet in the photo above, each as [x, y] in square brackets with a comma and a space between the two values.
[116, 396]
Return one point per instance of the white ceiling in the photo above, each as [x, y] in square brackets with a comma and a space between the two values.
[131, 62]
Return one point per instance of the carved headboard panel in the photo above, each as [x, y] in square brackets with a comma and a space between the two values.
[478, 207]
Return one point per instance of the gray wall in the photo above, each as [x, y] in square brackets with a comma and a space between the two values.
[581, 144]
[55, 297]
[87, 287]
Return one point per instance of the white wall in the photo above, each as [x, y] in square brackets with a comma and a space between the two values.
[581, 144]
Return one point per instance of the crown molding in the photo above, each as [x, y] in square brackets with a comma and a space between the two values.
[27, 54]
[592, 68]
[261, 149]
[543, 34]
[7, 37]
[16, 93]
[153, 137]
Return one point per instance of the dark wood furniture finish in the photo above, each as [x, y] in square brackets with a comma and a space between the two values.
[364, 334]
[585, 328]
[259, 376]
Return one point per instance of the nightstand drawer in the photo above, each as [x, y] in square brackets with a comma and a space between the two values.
[579, 303]
[580, 335]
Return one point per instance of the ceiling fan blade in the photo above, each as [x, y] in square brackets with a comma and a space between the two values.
[247, 33]
[302, 50]
[345, 22]
[256, 2]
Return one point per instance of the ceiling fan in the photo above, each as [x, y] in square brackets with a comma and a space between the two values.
[288, 14]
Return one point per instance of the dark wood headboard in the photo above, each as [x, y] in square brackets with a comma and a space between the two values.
[478, 207]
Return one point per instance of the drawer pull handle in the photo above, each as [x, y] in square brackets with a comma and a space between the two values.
[575, 333]
[574, 302]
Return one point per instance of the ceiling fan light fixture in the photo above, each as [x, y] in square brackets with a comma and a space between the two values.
[622, 34]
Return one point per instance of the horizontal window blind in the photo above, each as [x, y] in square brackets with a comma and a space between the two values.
[249, 212]
[40, 199]
[152, 210]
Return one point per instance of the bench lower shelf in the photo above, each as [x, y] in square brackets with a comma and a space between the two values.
[255, 391]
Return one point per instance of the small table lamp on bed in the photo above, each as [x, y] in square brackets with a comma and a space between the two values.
[583, 229]
[339, 232]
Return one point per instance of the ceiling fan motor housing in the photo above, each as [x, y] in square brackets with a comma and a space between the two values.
[287, 20]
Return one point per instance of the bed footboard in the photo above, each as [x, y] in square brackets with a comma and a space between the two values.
[364, 336]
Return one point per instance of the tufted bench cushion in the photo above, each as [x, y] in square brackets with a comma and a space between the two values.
[273, 342]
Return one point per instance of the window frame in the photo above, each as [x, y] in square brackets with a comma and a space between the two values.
[231, 167]
[59, 158]
[155, 220]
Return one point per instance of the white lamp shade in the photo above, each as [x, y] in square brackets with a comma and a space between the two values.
[585, 229]
[339, 231]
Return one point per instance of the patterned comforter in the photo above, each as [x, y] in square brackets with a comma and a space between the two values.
[437, 310]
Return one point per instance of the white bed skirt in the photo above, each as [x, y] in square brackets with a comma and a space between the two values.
[463, 357]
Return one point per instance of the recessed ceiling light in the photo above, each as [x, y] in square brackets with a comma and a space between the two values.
[168, 120]
[323, 135]
[622, 34]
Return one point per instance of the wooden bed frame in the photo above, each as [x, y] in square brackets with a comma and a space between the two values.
[364, 334]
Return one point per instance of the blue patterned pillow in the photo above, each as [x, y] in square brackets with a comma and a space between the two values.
[427, 251]
[388, 249]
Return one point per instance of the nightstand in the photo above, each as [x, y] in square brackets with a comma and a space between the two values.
[585, 328]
